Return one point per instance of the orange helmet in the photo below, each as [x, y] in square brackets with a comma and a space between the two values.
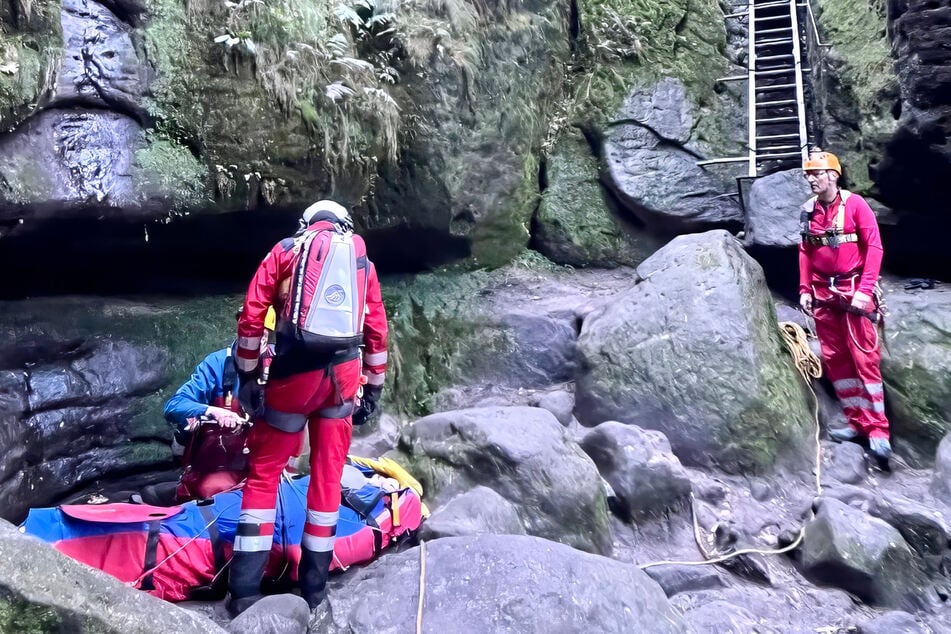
[822, 161]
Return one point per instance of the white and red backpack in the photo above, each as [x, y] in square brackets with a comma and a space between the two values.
[327, 301]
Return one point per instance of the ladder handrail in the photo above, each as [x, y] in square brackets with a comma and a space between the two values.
[800, 96]
[751, 90]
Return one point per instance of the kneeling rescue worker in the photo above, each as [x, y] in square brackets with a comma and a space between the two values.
[327, 297]
[840, 256]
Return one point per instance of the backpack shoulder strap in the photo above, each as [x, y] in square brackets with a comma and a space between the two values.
[805, 214]
[229, 377]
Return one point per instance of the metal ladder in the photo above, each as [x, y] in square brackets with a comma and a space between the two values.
[778, 138]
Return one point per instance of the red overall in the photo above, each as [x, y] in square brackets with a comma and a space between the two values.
[849, 341]
[300, 393]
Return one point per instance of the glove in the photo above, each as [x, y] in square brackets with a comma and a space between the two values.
[805, 302]
[251, 398]
[368, 405]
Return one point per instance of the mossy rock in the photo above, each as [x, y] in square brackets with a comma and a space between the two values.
[575, 224]
[859, 93]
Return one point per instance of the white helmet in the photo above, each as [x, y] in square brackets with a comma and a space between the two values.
[326, 210]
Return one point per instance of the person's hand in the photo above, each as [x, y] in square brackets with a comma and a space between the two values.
[861, 301]
[368, 405]
[805, 302]
[225, 417]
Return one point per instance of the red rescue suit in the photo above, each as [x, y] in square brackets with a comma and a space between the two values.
[832, 270]
[302, 390]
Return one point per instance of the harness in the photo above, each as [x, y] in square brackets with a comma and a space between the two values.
[833, 237]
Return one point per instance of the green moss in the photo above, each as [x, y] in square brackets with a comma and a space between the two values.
[574, 224]
[865, 73]
[685, 39]
[163, 167]
[27, 618]
[30, 47]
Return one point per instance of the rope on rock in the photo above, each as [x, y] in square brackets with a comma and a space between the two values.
[422, 586]
[810, 367]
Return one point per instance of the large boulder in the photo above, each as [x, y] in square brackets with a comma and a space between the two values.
[772, 209]
[917, 367]
[523, 454]
[42, 590]
[652, 165]
[477, 511]
[693, 351]
[647, 479]
[493, 583]
[845, 547]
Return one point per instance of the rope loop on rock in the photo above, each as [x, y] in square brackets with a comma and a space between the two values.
[809, 367]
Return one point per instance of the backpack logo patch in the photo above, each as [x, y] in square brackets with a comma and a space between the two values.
[335, 295]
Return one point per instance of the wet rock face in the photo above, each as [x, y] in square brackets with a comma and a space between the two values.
[100, 67]
[66, 419]
[71, 157]
[914, 171]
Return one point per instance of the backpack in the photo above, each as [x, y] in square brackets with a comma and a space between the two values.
[327, 300]
[216, 460]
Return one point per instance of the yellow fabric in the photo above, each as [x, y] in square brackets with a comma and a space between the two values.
[391, 469]
[270, 320]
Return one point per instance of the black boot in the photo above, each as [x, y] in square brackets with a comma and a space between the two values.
[312, 573]
[244, 580]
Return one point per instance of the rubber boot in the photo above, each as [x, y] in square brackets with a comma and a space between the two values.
[312, 573]
[881, 450]
[843, 434]
[244, 580]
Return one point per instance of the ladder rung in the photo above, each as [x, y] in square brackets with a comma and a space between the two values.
[769, 58]
[762, 157]
[775, 87]
[734, 78]
[772, 120]
[774, 148]
[771, 137]
[734, 159]
[770, 17]
[785, 29]
[786, 40]
[767, 104]
[770, 5]
[774, 71]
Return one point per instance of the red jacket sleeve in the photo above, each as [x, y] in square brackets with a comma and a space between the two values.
[262, 293]
[374, 332]
[870, 244]
[805, 270]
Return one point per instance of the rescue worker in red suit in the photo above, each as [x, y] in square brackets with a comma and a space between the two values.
[304, 390]
[840, 256]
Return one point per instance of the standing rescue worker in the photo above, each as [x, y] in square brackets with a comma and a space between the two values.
[304, 389]
[840, 256]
